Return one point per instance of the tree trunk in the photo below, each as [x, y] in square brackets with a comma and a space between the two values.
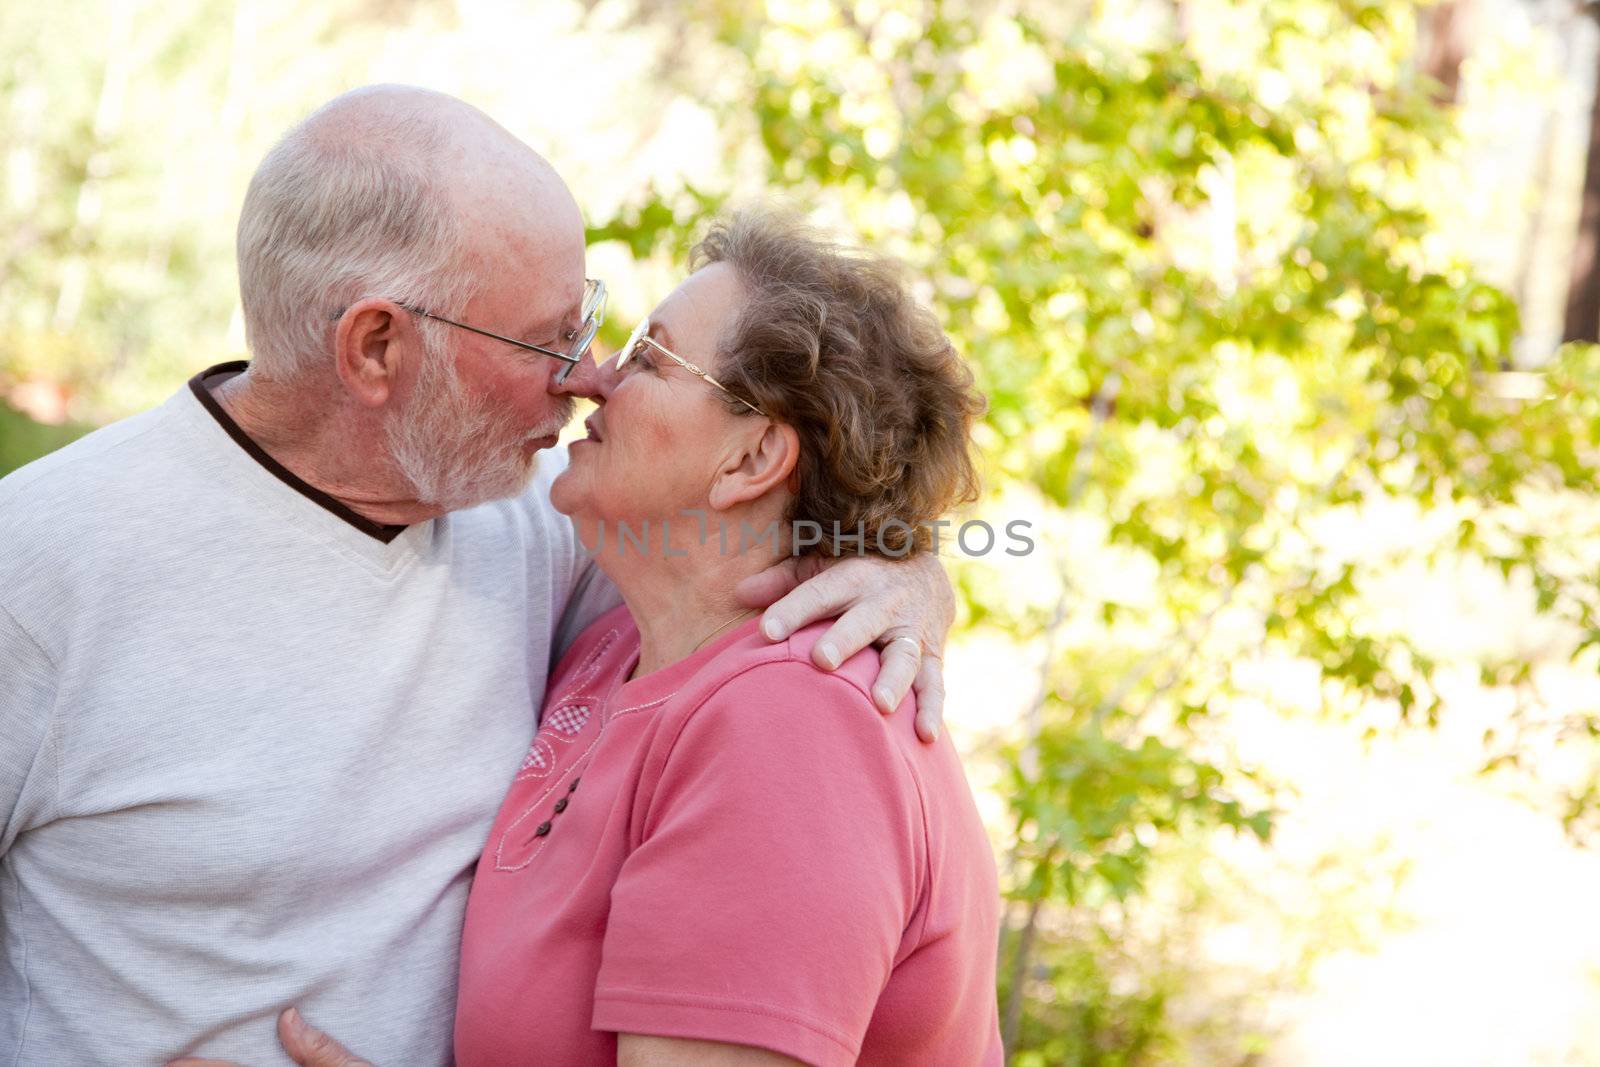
[1583, 285]
[1534, 236]
[1443, 46]
[1011, 1020]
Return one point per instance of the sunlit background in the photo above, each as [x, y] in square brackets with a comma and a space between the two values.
[1286, 731]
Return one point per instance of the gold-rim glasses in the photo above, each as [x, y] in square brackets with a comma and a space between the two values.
[641, 337]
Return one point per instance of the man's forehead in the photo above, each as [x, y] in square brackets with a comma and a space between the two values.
[545, 270]
[524, 236]
[523, 212]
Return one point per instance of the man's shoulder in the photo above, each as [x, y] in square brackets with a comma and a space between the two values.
[74, 479]
[64, 509]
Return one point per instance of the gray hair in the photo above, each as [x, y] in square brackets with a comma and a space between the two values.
[337, 214]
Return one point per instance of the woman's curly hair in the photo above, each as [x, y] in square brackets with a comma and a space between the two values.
[831, 341]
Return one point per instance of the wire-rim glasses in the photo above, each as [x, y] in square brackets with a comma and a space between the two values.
[641, 336]
[594, 313]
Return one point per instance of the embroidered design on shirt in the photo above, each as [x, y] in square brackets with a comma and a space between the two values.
[540, 760]
[514, 852]
[568, 720]
[565, 723]
[591, 664]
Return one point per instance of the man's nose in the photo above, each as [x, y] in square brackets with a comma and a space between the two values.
[586, 379]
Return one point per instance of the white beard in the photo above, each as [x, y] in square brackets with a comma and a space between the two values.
[456, 451]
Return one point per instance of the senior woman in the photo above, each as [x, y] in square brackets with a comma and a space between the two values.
[714, 851]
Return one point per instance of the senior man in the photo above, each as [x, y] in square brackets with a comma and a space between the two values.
[271, 652]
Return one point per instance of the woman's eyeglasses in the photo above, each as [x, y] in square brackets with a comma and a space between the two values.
[641, 338]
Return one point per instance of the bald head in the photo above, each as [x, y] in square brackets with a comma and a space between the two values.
[396, 192]
[467, 150]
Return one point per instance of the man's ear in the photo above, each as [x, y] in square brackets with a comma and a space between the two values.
[368, 343]
[765, 461]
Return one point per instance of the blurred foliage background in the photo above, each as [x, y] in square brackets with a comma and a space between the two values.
[1267, 297]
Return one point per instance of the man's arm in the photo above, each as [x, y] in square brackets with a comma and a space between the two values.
[904, 606]
[27, 703]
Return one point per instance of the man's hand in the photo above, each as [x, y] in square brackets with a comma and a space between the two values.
[304, 1043]
[310, 1047]
[906, 607]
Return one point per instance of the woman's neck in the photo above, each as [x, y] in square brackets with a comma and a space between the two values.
[680, 604]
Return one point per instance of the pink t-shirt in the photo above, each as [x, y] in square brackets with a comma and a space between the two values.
[735, 848]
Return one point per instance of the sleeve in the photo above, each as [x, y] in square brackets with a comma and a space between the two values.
[592, 596]
[767, 899]
[27, 762]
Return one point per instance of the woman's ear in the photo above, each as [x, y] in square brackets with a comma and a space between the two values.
[766, 461]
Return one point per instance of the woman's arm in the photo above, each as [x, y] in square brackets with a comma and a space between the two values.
[637, 1050]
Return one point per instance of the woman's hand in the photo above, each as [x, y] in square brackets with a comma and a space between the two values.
[904, 606]
[304, 1043]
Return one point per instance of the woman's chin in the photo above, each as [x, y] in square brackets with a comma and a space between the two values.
[564, 494]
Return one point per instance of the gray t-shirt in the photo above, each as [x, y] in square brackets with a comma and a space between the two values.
[250, 744]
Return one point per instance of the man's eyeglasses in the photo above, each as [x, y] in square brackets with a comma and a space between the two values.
[594, 313]
[640, 339]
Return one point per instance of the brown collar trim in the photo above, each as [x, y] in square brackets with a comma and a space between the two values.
[384, 532]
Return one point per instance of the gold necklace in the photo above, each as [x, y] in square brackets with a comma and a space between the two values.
[724, 626]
